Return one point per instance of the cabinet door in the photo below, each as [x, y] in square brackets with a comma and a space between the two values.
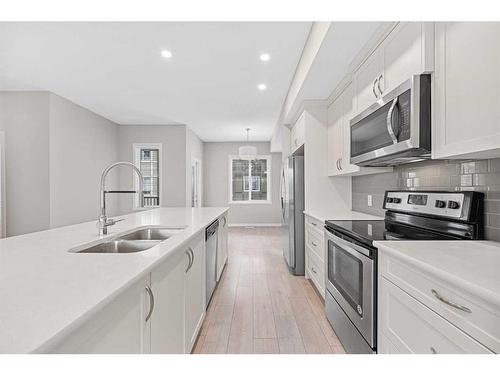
[408, 50]
[222, 246]
[167, 319]
[298, 132]
[335, 136]
[411, 327]
[467, 90]
[364, 81]
[118, 328]
[195, 292]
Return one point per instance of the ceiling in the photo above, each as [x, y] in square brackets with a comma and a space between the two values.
[342, 43]
[116, 70]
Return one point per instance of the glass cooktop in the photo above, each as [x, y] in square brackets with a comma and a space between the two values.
[367, 231]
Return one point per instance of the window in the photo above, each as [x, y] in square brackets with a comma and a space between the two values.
[250, 180]
[148, 159]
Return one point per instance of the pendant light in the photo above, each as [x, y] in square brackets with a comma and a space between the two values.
[247, 152]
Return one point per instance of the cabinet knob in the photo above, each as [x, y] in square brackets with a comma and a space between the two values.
[433, 351]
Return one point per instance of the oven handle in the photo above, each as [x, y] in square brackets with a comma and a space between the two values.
[351, 248]
[389, 121]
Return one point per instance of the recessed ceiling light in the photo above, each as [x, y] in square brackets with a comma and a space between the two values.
[265, 57]
[262, 86]
[166, 54]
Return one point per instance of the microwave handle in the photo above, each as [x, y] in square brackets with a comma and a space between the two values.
[389, 121]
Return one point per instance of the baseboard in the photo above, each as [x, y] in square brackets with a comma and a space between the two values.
[255, 225]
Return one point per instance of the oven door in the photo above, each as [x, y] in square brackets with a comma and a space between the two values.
[350, 280]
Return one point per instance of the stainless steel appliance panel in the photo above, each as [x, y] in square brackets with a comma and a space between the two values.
[351, 281]
[395, 129]
[293, 214]
[211, 244]
[352, 341]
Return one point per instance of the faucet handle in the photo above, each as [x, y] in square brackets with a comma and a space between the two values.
[114, 221]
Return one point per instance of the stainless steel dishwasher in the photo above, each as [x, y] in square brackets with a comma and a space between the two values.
[211, 243]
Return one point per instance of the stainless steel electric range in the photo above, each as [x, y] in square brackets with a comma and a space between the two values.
[351, 269]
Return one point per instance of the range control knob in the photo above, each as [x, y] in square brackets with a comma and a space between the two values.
[396, 200]
[389, 200]
[440, 204]
[453, 205]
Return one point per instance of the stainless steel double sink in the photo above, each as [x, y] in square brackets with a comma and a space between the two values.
[133, 242]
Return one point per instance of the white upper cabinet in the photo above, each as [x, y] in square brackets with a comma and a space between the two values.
[339, 138]
[167, 317]
[366, 79]
[297, 133]
[407, 50]
[467, 90]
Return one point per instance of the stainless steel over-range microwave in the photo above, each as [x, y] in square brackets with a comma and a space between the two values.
[397, 128]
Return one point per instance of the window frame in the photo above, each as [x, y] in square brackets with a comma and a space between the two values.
[269, 180]
[136, 156]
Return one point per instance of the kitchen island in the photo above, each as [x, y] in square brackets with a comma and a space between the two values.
[54, 299]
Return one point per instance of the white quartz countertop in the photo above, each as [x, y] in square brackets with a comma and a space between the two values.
[46, 291]
[343, 215]
[471, 265]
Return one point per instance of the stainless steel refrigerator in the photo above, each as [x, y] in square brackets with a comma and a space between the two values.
[292, 213]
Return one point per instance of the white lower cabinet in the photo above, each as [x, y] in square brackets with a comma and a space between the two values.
[315, 253]
[118, 328]
[195, 291]
[167, 317]
[162, 313]
[408, 326]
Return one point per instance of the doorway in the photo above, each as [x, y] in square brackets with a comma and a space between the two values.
[195, 183]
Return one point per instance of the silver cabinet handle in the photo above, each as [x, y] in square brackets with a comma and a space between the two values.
[313, 223]
[390, 130]
[314, 243]
[191, 258]
[378, 84]
[188, 253]
[449, 303]
[312, 269]
[340, 164]
[151, 302]
[433, 351]
[373, 88]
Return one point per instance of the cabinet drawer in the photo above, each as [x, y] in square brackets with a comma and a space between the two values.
[483, 320]
[315, 242]
[413, 328]
[315, 270]
[315, 224]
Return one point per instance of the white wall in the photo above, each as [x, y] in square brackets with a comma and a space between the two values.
[172, 170]
[82, 144]
[216, 184]
[24, 116]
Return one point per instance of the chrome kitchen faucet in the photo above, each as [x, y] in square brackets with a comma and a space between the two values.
[104, 222]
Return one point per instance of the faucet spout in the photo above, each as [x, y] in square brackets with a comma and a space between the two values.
[103, 221]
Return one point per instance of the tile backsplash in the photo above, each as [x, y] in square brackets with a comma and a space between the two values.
[458, 175]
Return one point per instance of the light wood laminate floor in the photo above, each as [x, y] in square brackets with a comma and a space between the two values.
[258, 307]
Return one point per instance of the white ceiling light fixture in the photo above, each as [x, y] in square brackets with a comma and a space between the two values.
[166, 54]
[262, 87]
[247, 151]
[265, 57]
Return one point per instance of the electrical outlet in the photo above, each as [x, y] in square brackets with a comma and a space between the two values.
[370, 200]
